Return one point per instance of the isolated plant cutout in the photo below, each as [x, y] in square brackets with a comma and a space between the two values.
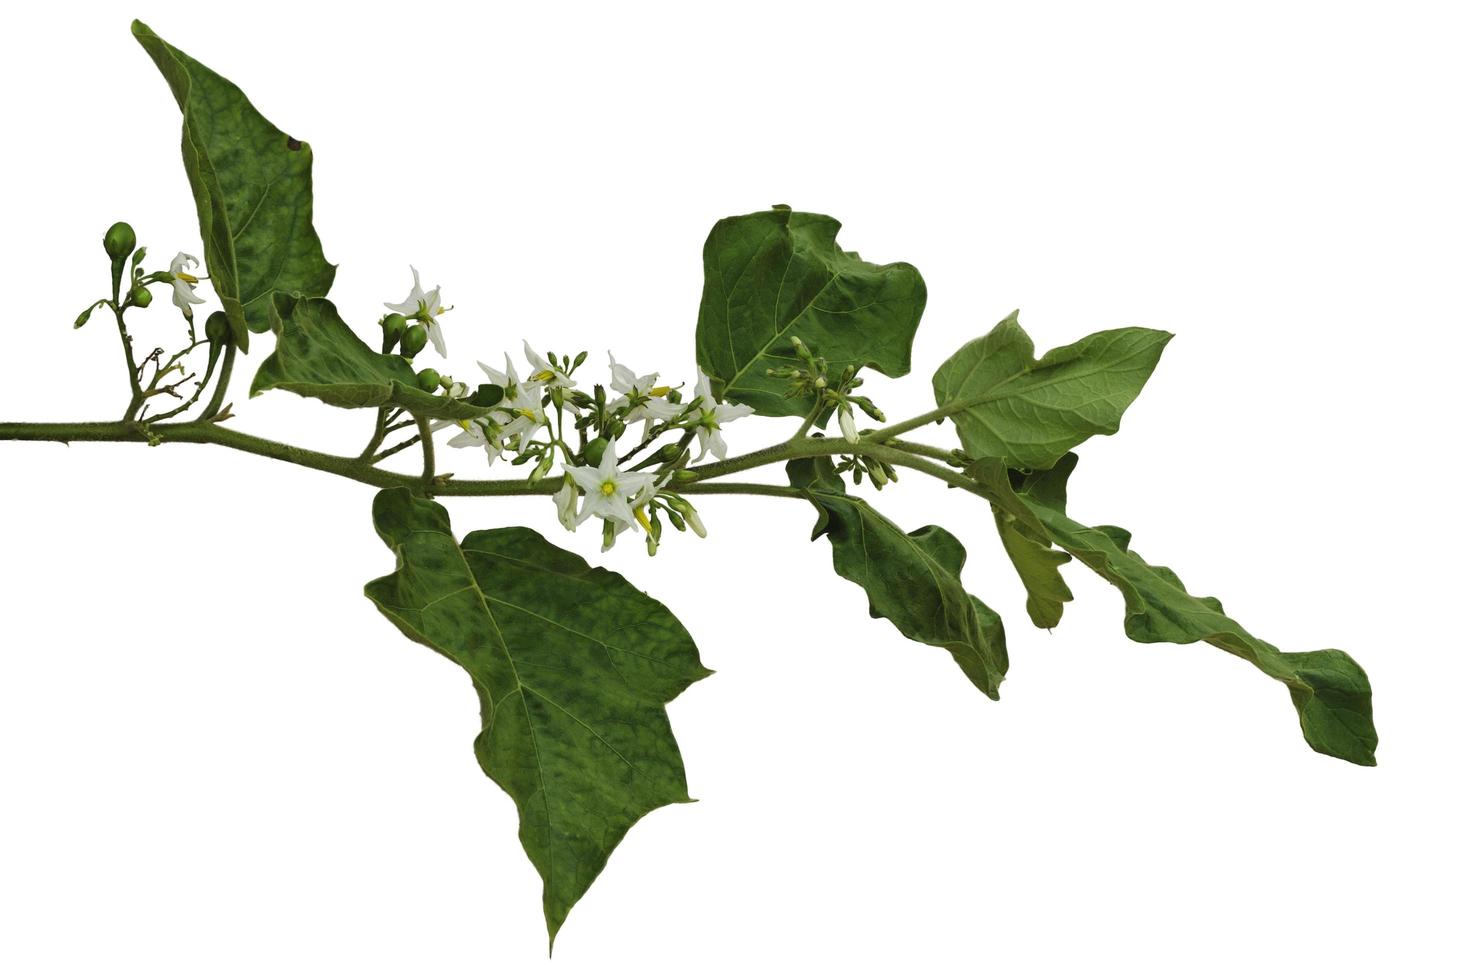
[573, 665]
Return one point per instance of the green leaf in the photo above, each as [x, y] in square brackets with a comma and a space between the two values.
[319, 356]
[1038, 566]
[253, 191]
[778, 274]
[572, 666]
[1330, 690]
[913, 580]
[1030, 412]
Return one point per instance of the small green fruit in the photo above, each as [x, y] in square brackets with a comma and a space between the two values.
[413, 340]
[119, 241]
[218, 328]
[140, 296]
[429, 379]
[594, 450]
[394, 326]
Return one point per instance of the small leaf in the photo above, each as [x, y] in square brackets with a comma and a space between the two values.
[1038, 566]
[253, 191]
[777, 274]
[913, 580]
[319, 356]
[572, 666]
[1330, 690]
[1030, 412]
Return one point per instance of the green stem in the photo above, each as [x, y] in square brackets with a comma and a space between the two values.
[213, 407]
[921, 449]
[428, 450]
[135, 387]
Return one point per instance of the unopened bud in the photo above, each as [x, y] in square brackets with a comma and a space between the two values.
[119, 241]
[218, 328]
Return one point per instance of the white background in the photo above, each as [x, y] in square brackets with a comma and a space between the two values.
[218, 761]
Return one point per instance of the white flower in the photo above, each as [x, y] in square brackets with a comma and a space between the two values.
[425, 307]
[526, 414]
[185, 283]
[711, 416]
[504, 378]
[545, 372]
[647, 401]
[845, 422]
[643, 498]
[565, 504]
[609, 491]
[479, 432]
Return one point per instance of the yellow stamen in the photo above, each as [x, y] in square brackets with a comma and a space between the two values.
[660, 391]
[186, 277]
[608, 488]
[643, 520]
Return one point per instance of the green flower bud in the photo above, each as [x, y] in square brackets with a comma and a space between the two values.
[618, 427]
[140, 296]
[594, 450]
[218, 328]
[429, 379]
[119, 241]
[413, 340]
[394, 326]
[83, 316]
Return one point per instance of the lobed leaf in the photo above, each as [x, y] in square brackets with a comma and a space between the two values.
[253, 192]
[777, 274]
[1329, 689]
[913, 580]
[573, 667]
[319, 356]
[1037, 565]
[1030, 412]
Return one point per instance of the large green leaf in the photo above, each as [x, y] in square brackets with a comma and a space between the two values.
[572, 666]
[778, 274]
[1030, 412]
[913, 580]
[253, 191]
[1328, 687]
[319, 356]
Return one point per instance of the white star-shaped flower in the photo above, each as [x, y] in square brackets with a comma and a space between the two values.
[609, 491]
[711, 416]
[185, 283]
[545, 372]
[640, 392]
[426, 307]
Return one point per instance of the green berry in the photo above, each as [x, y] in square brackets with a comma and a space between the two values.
[394, 326]
[413, 340]
[119, 241]
[140, 296]
[594, 450]
[429, 379]
[218, 328]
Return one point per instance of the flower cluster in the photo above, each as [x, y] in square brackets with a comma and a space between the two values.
[545, 418]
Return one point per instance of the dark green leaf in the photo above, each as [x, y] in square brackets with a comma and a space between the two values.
[252, 187]
[319, 356]
[913, 580]
[572, 666]
[1030, 412]
[1328, 687]
[776, 274]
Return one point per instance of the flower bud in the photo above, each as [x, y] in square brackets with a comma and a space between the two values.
[413, 340]
[119, 241]
[429, 379]
[83, 316]
[218, 328]
[140, 296]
